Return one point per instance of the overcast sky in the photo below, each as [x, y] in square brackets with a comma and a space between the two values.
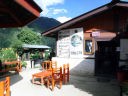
[64, 10]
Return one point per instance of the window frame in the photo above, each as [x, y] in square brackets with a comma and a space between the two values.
[92, 47]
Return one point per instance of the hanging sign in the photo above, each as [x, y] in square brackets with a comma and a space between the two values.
[96, 34]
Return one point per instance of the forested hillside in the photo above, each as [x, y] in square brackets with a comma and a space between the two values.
[43, 23]
[8, 36]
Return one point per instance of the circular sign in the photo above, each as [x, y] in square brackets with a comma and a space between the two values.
[76, 40]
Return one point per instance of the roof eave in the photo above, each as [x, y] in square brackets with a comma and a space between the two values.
[76, 19]
[35, 11]
[83, 16]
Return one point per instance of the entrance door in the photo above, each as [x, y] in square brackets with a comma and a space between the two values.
[106, 61]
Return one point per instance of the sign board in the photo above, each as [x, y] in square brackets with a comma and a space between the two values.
[70, 43]
[63, 43]
[76, 45]
[96, 34]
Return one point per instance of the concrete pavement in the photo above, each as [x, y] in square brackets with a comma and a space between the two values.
[78, 86]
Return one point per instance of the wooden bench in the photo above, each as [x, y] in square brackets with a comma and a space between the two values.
[7, 66]
[40, 75]
[5, 87]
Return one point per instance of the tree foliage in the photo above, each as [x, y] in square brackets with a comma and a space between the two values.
[6, 35]
[7, 54]
[28, 36]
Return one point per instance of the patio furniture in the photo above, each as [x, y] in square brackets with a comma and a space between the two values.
[5, 87]
[46, 65]
[11, 66]
[54, 64]
[65, 73]
[40, 75]
[55, 78]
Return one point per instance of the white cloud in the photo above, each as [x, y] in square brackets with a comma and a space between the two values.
[44, 4]
[57, 11]
[63, 19]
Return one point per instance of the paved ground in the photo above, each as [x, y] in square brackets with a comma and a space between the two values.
[78, 86]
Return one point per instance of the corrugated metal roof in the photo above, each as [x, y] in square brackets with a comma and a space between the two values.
[35, 46]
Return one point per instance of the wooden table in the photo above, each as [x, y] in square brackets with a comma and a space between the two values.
[41, 75]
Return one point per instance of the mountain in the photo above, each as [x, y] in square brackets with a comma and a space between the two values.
[42, 24]
[8, 36]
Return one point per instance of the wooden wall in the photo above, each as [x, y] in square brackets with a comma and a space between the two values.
[113, 20]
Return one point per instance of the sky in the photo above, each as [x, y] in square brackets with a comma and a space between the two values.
[64, 10]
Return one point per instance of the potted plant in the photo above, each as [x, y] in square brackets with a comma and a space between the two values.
[36, 57]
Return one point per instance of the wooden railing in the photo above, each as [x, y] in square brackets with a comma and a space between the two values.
[11, 66]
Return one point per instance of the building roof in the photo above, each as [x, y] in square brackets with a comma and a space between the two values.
[35, 46]
[17, 13]
[115, 3]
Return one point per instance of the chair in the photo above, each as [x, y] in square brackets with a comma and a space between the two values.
[55, 78]
[46, 65]
[65, 73]
[5, 87]
[53, 64]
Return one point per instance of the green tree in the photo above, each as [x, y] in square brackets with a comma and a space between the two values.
[7, 36]
[51, 42]
[28, 36]
[17, 46]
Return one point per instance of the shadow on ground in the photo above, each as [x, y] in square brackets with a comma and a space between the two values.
[95, 86]
[14, 77]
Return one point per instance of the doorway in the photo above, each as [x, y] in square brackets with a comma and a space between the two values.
[106, 61]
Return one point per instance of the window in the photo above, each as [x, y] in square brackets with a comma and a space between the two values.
[89, 46]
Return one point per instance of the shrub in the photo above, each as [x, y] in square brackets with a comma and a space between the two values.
[7, 54]
[23, 64]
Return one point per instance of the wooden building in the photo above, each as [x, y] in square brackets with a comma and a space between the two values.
[96, 40]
